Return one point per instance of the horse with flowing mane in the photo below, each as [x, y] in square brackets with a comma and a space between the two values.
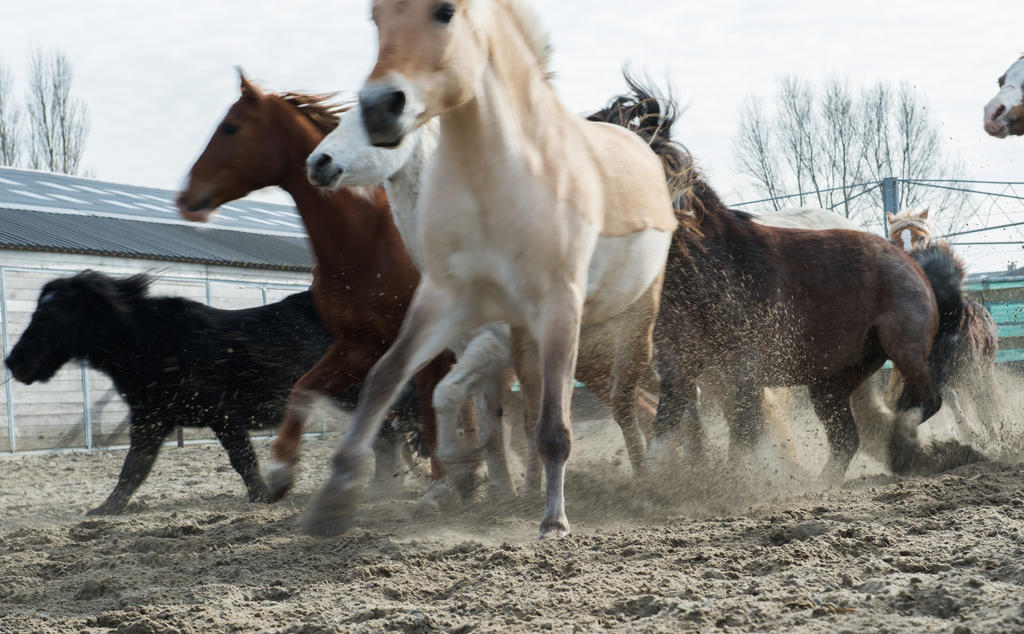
[1004, 114]
[529, 215]
[765, 306]
[964, 361]
[363, 278]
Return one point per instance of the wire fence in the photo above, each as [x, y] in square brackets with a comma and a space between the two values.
[990, 212]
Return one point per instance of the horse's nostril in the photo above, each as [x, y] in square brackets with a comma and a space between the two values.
[323, 161]
[396, 103]
[998, 112]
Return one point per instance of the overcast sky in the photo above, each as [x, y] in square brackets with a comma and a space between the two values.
[158, 76]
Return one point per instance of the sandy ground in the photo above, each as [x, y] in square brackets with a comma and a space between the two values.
[706, 551]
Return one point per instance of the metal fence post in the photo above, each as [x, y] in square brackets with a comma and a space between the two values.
[86, 404]
[11, 431]
[890, 201]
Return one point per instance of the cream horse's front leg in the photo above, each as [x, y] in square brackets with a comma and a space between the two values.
[434, 319]
[558, 343]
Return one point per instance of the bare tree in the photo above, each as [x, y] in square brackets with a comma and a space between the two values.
[828, 144]
[10, 120]
[58, 121]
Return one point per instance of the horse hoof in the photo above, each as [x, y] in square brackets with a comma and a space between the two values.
[280, 477]
[554, 529]
[332, 511]
[104, 509]
[438, 497]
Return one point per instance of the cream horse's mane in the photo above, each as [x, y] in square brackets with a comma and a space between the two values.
[532, 29]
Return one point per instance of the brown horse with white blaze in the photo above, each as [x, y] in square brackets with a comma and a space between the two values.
[363, 278]
[1004, 114]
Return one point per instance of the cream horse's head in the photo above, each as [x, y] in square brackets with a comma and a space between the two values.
[1004, 115]
[909, 229]
[432, 57]
[346, 158]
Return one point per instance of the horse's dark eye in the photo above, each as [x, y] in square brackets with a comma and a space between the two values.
[229, 129]
[444, 12]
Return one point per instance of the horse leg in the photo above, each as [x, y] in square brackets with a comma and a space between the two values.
[831, 402]
[325, 378]
[747, 422]
[427, 381]
[917, 401]
[875, 421]
[386, 468]
[434, 319]
[480, 372]
[677, 420]
[559, 344]
[236, 442]
[527, 366]
[145, 441]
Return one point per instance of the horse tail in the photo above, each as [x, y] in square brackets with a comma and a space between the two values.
[945, 273]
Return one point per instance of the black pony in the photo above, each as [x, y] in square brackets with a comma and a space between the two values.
[177, 363]
[758, 306]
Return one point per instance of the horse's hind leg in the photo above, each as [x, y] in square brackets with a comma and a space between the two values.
[831, 402]
[527, 366]
[677, 420]
[433, 320]
[146, 439]
[479, 372]
[235, 440]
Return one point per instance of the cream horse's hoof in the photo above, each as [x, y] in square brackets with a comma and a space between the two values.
[554, 528]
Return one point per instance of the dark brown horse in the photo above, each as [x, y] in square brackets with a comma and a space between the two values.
[761, 306]
[363, 278]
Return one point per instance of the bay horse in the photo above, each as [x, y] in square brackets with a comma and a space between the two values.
[529, 215]
[765, 306]
[1004, 114]
[965, 360]
[363, 277]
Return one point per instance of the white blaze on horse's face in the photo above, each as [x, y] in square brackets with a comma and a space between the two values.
[907, 237]
[346, 158]
[429, 60]
[1004, 115]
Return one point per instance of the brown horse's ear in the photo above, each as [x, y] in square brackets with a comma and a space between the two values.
[891, 216]
[249, 89]
[923, 215]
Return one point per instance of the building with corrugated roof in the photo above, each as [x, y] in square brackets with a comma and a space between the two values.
[53, 226]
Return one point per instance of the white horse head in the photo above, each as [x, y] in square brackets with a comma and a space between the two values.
[1004, 115]
[346, 158]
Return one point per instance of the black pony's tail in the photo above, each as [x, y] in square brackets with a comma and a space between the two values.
[945, 273]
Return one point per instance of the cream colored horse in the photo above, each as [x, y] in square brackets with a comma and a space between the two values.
[529, 215]
[346, 158]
